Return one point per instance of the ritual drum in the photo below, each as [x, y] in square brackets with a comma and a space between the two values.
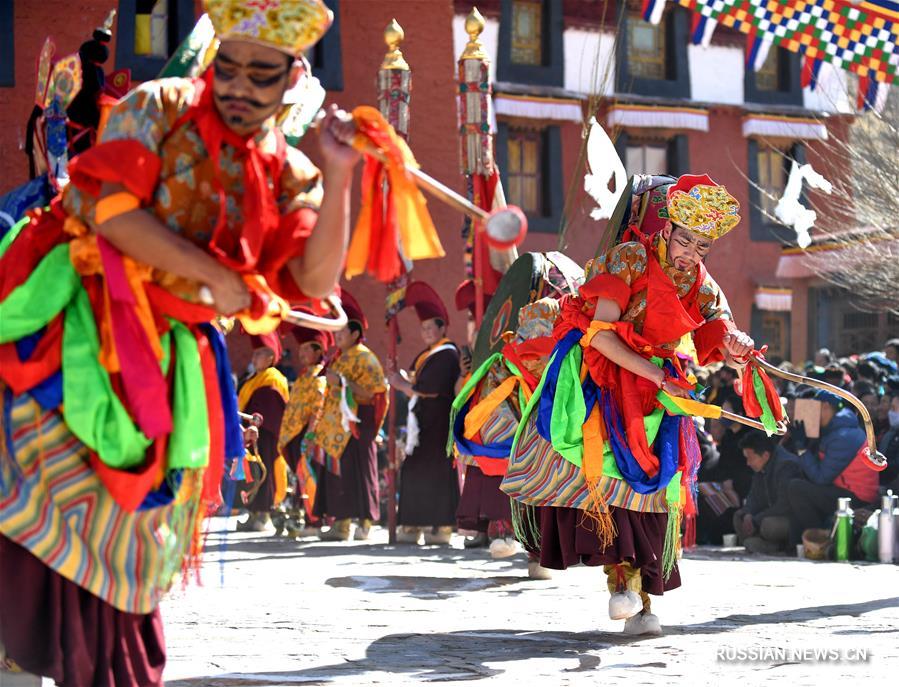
[531, 277]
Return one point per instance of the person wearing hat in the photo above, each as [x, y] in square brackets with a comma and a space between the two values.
[834, 466]
[602, 447]
[481, 496]
[465, 299]
[265, 392]
[191, 185]
[354, 408]
[307, 396]
[428, 486]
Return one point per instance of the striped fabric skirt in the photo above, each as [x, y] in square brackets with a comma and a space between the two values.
[98, 572]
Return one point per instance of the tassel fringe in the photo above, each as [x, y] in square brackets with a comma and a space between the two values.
[598, 516]
[672, 540]
[525, 525]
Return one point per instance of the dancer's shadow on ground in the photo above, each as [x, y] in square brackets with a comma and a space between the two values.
[269, 547]
[438, 656]
[430, 587]
[465, 655]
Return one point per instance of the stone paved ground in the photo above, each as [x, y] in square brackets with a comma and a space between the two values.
[276, 612]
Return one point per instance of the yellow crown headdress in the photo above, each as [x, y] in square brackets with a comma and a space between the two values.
[290, 26]
[697, 203]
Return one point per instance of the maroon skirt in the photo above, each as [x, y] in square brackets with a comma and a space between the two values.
[481, 501]
[52, 627]
[640, 541]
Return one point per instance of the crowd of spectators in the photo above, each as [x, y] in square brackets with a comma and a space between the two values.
[769, 490]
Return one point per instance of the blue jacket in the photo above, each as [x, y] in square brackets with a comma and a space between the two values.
[839, 443]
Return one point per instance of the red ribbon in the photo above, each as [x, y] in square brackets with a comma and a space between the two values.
[142, 378]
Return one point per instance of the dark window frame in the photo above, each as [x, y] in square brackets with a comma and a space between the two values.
[326, 56]
[761, 228]
[677, 27]
[789, 78]
[552, 71]
[756, 329]
[550, 222]
[7, 45]
[147, 67]
[677, 153]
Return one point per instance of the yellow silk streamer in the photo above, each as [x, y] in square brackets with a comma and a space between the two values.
[594, 445]
[596, 326]
[417, 234]
[478, 415]
[114, 205]
[280, 469]
[695, 408]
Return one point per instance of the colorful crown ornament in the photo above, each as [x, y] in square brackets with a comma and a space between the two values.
[697, 203]
[290, 26]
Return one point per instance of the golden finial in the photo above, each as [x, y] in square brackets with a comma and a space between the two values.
[474, 26]
[393, 36]
[109, 20]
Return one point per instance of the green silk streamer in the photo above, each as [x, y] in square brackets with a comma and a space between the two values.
[465, 393]
[34, 303]
[90, 406]
[569, 410]
[11, 235]
[189, 440]
[767, 418]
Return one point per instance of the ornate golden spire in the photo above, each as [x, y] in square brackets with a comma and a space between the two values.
[393, 36]
[474, 26]
[110, 18]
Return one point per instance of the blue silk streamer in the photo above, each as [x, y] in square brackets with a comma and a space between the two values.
[666, 446]
[47, 393]
[234, 447]
[500, 449]
[551, 380]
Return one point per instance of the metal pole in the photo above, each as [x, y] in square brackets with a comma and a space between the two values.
[394, 87]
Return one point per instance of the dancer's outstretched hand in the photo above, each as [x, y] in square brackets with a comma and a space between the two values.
[739, 345]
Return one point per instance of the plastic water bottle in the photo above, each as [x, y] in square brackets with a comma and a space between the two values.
[843, 529]
[886, 529]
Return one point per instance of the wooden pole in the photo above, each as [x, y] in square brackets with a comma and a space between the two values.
[394, 89]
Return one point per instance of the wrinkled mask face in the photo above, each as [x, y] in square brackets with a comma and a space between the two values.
[249, 82]
[685, 249]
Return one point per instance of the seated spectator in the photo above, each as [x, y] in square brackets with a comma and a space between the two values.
[835, 374]
[763, 524]
[889, 443]
[837, 469]
[891, 350]
[867, 371]
[868, 394]
[724, 482]
[823, 357]
[884, 364]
